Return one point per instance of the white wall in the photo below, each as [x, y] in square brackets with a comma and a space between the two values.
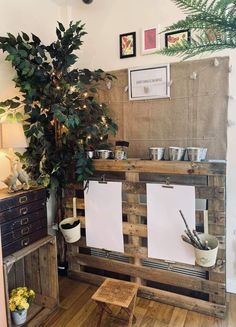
[105, 20]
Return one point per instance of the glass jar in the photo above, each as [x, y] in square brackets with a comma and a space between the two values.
[121, 150]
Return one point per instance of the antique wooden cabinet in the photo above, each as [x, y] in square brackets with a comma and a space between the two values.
[23, 218]
[30, 255]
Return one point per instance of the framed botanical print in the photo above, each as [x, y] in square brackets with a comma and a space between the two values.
[173, 38]
[127, 45]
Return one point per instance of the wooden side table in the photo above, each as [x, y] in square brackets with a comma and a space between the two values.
[119, 293]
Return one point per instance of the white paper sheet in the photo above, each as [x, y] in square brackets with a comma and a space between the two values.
[103, 212]
[165, 225]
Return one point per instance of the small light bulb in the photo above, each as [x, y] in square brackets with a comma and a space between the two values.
[216, 62]
[84, 106]
[100, 105]
[101, 138]
[58, 87]
[106, 125]
[85, 94]
[103, 118]
[89, 137]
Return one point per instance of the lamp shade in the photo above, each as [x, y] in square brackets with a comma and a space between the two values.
[12, 136]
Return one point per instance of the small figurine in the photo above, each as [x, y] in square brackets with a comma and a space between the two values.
[10, 181]
[22, 176]
[17, 173]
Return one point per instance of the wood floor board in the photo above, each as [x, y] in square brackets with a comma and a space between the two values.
[78, 310]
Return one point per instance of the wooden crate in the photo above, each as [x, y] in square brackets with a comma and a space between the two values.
[191, 287]
[35, 267]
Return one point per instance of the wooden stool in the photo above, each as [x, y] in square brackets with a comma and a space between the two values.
[119, 293]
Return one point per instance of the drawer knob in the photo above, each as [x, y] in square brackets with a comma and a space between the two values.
[23, 211]
[25, 231]
[23, 199]
[24, 221]
[25, 242]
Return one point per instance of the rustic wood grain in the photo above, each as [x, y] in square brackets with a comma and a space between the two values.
[36, 266]
[209, 182]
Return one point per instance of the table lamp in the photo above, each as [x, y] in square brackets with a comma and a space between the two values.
[12, 137]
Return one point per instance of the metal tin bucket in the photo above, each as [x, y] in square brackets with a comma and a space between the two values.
[196, 154]
[73, 234]
[103, 154]
[176, 153]
[207, 258]
[156, 153]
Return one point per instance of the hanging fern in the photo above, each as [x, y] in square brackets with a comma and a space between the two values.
[213, 23]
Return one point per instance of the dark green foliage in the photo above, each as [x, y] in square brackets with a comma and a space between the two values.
[63, 116]
[212, 22]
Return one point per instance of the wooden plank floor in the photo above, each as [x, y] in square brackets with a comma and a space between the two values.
[78, 310]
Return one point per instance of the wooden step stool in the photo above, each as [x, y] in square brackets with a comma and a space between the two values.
[119, 293]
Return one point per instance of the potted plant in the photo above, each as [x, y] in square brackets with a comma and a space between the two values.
[205, 245]
[62, 109]
[19, 302]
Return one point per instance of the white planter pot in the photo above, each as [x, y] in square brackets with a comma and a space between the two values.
[73, 234]
[19, 317]
[207, 258]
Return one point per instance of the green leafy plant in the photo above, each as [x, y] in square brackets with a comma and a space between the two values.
[62, 114]
[212, 22]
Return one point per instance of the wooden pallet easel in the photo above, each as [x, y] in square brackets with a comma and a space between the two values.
[190, 287]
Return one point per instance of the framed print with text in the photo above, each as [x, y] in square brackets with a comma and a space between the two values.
[149, 82]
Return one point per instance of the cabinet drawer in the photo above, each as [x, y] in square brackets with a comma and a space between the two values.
[23, 210]
[23, 242]
[23, 231]
[23, 221]
[22, 198]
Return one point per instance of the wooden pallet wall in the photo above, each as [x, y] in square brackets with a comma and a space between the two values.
[191, 287]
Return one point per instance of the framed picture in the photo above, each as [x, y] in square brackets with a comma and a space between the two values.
[150, 40]
[149, 82]
[173, 38]
[128, 45]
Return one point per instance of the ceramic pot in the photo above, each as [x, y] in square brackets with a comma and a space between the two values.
[19, 317]
[207, 258]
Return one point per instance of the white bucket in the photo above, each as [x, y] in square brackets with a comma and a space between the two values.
[73, 234]
[207, 258]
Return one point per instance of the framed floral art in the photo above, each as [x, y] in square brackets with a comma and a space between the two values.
[173, 38]
[127, 45]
